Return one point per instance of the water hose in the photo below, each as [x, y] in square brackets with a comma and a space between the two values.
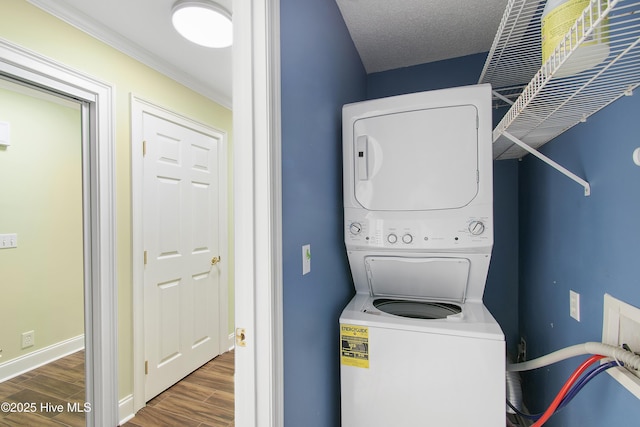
[565, 389]
[630, 359]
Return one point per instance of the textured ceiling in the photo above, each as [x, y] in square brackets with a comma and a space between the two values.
[392, 34]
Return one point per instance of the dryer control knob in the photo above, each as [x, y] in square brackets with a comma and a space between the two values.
[407, 238]
[392, 238]
[476, 228]
[355, 228]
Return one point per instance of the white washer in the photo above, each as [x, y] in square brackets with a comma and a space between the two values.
[418, 347]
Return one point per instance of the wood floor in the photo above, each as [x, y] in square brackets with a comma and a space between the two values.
[205, 398]
[58, 383]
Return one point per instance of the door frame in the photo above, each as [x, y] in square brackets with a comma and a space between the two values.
[139, 106]
[99, 228]
[257, 173]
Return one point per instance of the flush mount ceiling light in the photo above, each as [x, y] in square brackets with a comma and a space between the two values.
[203, 22]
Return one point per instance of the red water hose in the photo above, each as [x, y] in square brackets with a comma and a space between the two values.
[565, 389]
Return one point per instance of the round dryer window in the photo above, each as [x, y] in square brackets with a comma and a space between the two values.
[416, 309]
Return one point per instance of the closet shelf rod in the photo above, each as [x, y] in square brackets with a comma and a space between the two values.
[556, 166]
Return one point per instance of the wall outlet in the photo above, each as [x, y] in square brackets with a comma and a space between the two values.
[522, 351]
[28, 339]
[621, 327]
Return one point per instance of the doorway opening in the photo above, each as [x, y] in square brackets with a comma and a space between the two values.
[43, 308]
[98, 218]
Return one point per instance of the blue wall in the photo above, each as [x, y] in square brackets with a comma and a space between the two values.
[435, 75]
[321, 71]
[501, 292]
[588, 244]
[549, 238]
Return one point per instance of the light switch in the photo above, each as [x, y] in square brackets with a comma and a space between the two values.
[306, 259]
[8, 241]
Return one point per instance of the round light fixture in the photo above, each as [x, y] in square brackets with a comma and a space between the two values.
[203, 22]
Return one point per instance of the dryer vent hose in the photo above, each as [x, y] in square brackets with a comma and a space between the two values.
[630, 359]
[514, 392]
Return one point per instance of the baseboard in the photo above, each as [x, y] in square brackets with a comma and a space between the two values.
[125, 409]
[35, 359]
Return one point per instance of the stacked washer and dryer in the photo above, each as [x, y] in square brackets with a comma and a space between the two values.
[418, 346]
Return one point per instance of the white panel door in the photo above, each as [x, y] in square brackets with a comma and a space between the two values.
[181, 284]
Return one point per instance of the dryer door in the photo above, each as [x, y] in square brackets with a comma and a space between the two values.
[417, 160]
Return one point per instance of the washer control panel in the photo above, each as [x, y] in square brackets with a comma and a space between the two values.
[420, 233]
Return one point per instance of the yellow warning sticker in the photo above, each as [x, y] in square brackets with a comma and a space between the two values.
[354, 346]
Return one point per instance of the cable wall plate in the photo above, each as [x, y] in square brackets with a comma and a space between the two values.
[621, 326]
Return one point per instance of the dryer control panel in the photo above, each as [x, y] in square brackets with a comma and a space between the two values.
[368, 230]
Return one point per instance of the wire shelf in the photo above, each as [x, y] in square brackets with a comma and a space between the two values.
[552, 101]
[515, 55]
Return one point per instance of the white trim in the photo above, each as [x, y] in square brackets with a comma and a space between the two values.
[25, 363]
[125, 409]
[96, 29]
[257, 197]
[138, 107]
[39, 94]
[275, 160]
[99, 208]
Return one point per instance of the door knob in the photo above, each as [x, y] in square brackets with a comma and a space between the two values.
[215, 260]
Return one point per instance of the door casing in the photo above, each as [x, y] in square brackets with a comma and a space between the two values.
[256, 108]
[99, 228]
[257, 182]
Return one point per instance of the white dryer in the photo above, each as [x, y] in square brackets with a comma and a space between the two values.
[418, 347]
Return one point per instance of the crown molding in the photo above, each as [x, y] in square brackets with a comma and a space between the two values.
[99, 31]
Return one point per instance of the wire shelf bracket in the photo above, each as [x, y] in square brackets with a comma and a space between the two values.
[553, 164]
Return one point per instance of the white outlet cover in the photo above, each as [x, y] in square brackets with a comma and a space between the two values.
[574, 305]
[621, 325]
[28, 339]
